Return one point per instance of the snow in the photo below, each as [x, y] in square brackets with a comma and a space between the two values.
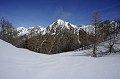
[22, 31]
[88, 28]
[60, 24]
[43, 30]
[60, 21]
[63, 24]
[38, 29]
[17, 63]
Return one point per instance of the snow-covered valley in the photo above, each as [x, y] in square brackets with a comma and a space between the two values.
[17, 63]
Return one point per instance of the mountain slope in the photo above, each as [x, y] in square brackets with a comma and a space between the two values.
[16, 63]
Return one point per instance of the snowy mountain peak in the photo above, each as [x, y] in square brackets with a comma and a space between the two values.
[60, 25]
[60, 21]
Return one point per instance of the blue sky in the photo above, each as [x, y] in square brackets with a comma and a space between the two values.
[43, 12]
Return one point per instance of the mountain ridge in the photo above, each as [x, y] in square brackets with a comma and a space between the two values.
[53, 28]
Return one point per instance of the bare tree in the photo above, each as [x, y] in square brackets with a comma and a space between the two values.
[117, 25]
[96, 36]
[7, 31]
[114, 29]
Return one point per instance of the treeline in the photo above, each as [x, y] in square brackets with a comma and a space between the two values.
[63, 40]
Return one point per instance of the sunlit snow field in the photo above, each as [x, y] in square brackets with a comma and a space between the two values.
[17, 63]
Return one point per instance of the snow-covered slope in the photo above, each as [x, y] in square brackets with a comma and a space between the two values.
[16, 63]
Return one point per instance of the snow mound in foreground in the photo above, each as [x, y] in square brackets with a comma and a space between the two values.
[16, 63]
